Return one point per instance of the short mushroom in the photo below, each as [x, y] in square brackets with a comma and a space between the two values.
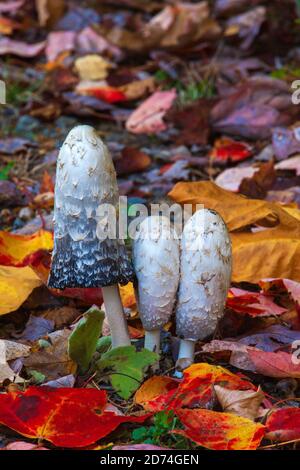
[85, 180]
[204, 280]
[156, 264]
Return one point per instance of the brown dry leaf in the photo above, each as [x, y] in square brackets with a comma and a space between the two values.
[243, 403]
[53, 361]
[138, 88]
[49, 11]
[10, 350]
[92, 67]
[231, 178]
[264, 254]
[61, 316]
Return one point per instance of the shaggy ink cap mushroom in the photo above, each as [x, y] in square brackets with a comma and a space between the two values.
[156, 264]
[205, 274]
[85, 180]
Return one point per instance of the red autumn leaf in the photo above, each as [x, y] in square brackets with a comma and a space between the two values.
[108, 94]
[252, 303]
[274, 364]
[283, 424]
[220, 431]
[66, 417]
[226, 149]
[278, 285]
[148, 117]
[196, 388]
[16, 250]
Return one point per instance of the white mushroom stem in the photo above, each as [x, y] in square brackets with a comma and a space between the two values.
[115, 316]
[186, 350]
[152, 340]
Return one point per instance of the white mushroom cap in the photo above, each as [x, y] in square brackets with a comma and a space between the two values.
[205, 275]
[156, 264]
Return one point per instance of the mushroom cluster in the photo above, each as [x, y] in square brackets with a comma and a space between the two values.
[204, 280]
[85, 180]
[195, 272]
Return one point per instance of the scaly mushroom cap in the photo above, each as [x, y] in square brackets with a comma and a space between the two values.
[156, 264]
[205, 275]
[85, 179]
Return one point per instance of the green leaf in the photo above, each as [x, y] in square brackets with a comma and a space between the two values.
[126, 368]
[103, 344]
[83, 340]
[4, 173]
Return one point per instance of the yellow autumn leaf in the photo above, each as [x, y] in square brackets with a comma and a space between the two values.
[92, 67]
[14, 248]
[16, 284]
[273, 251]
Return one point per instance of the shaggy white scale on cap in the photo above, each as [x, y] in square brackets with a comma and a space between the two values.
[204, 280]
[156, 264]
[85, 180]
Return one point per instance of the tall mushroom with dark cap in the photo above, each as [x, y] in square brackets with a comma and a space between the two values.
[204, 280]
[156, 264]
[85, 180]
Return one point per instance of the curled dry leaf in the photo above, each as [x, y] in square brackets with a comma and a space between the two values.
[220, 431]
[148, 117]
[243, 403]
[66, 417]
[231, 178]
[10, 350]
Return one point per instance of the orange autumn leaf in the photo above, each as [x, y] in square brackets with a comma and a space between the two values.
[16, 284]
[127, 295]
[266, 253]
[15, 250]
[196, 388]
[220, 431]
[67, 417]
[156, 393]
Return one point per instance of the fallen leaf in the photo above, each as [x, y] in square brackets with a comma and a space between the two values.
[292, 163]
[252, 303]
[266, 253]
[148, 117]
[49, 11]
[291, 287]
[231, 178]
[285, 142]
[139, 447]
[52, 361]
[243, 403]
[274, 364]
[101, 90]
[258, 185]
[67, 417]
[89, 41]
[22, 445]
[92, 67]
[283, 424]
[16, 284]
[36, 327]
[196, 389]
[22, 49]
[127, 295]
[271, 338]
[220, 431]
[155, 394]
[15, 250]
[11, 6]
[126, 368]
[247, 25]
[58, 42]
[83, 340]
[138, 88]
[132, 160]
[10, 350]
[226, 149]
